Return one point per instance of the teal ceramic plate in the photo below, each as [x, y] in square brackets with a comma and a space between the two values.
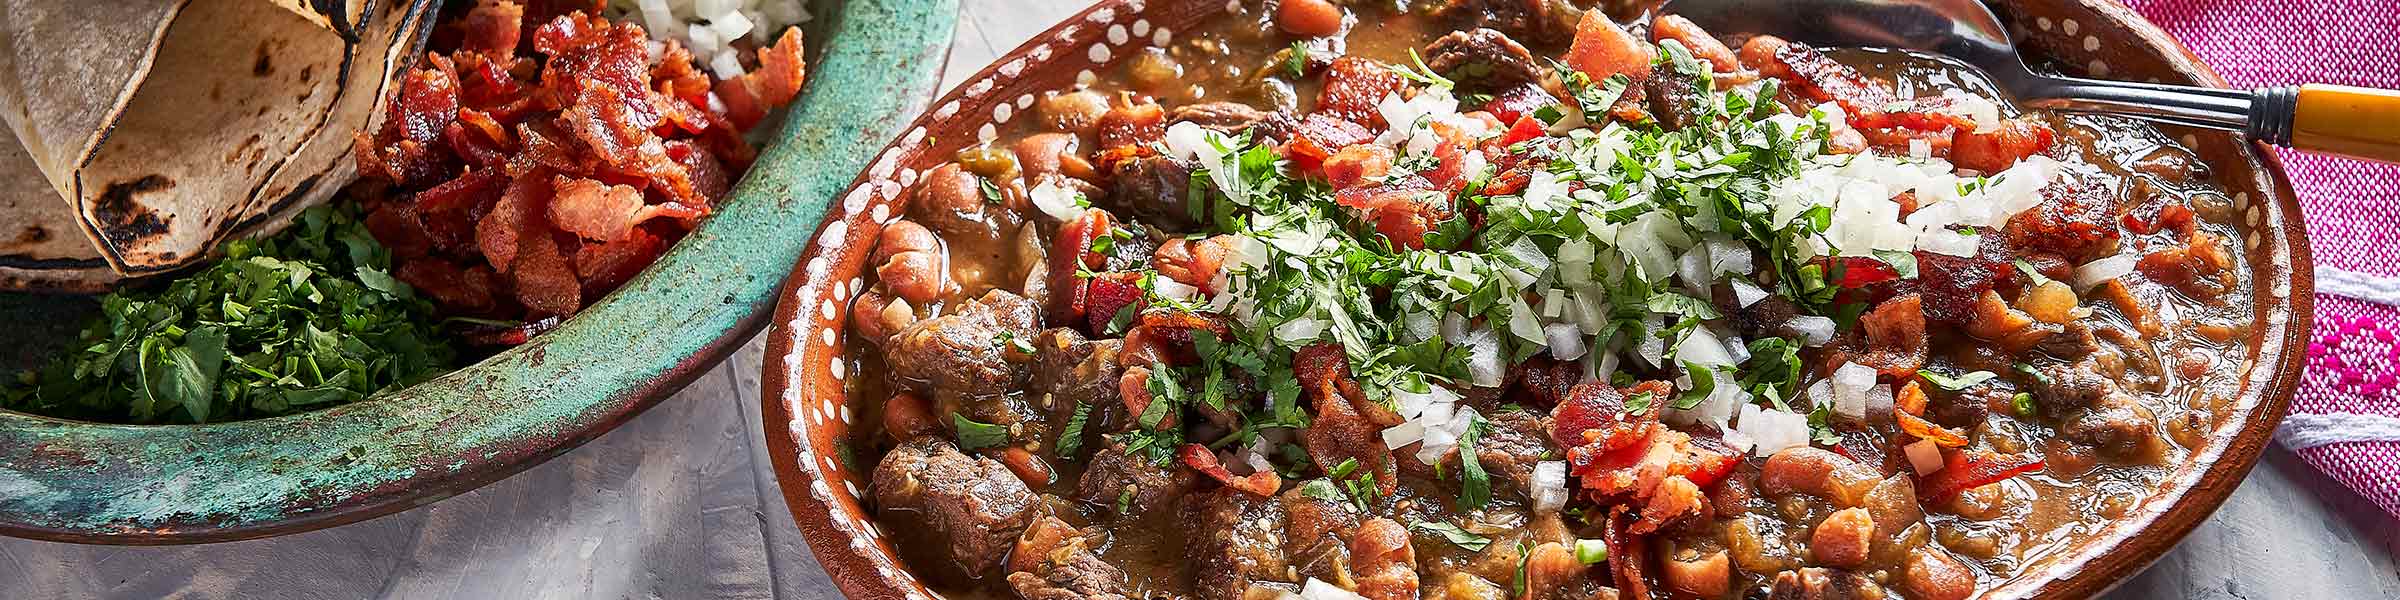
[116, 484]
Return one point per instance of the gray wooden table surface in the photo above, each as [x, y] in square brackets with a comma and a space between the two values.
[680, 503]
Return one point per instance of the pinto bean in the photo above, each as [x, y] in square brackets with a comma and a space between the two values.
[1703, 46]
[1842, 539]
[1075, 112]
[876, 317]
[1816, 472]
[1044, 154]
[903, 236]
[1933, 574]
[916, 276]
[1708, 576]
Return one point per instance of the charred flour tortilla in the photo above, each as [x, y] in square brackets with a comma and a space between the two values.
[169, 126]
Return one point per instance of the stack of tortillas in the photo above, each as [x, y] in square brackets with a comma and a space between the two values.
[145, 132]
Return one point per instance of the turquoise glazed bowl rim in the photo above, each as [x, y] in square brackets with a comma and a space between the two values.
[120, 484]
[809, 421]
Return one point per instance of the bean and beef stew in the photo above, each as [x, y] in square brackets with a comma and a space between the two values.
[1483, 299]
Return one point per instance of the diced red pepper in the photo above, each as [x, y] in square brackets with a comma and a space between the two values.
[1967, 469]
[1526, 128]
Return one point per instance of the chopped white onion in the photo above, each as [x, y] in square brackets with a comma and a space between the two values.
[1746, 293]
[1651, 349]
[1814, 330]
[2097, 272]
[1773, 430]
[1484, 364]
[1566, 342]
[731, 25]
[1879, 400]
[1299, 330]
[1850, 384]
[1920, 149]
[1730, 256]
[1317, 589]
[1925, 456]
[1454, 327]
[1171, 288]
[1406, 433]
[1549, 486]
[1702, 347]
[1055, 200]
[727, 64]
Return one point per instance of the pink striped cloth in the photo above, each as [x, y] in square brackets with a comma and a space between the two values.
[2346, 420]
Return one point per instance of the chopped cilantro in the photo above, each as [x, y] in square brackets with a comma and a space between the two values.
[1959, 383]
[974, 435]
[1070, 438]
[1474, 486]
[1458, 536]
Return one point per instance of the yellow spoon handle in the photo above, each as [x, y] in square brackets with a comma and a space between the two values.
[2350, 121]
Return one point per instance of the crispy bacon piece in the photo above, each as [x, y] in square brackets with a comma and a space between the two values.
[1895, 339]
[1635, 472]
[774, 83]
[1355, 165]
[1868, 104]
[1353, 86]
[2073, 220]
[1628, 554]
[492, 28]
[597, 211]
[1193, 263]
[1316, 137]
[460, 290]
[1401, 213]
[1262, 484]
[1519, 102]
[545, 179]
[1071, 252]
[1386, 562]
[1996, 150]
[1343, 430]
[1107, 294]
[1593, 415]
[545, 278]
[606, 265]
[1967, 469]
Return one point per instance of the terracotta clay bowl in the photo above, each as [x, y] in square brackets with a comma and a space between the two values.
[118, 484]
[809, 420]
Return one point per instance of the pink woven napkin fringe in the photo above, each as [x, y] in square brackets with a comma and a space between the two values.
[2346, 419]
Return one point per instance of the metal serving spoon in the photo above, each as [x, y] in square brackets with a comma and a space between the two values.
[2352, 121]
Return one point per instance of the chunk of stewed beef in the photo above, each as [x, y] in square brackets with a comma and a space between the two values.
[1153, 189]
[2060, 388]
[1485, 57]
[960, 355]
[973, 503]
[1512, 442]
[1547, 22]
[1821, 583]
[1235, 540]
[1129, 485]
[1675, 99]
[1070, 371]
[1054, 561]
[1317, 533]
[1228, 117]
[2116, 427]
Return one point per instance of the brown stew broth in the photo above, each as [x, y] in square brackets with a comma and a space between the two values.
[2177, 371]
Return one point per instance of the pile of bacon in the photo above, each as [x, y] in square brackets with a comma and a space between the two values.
[550, 155]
